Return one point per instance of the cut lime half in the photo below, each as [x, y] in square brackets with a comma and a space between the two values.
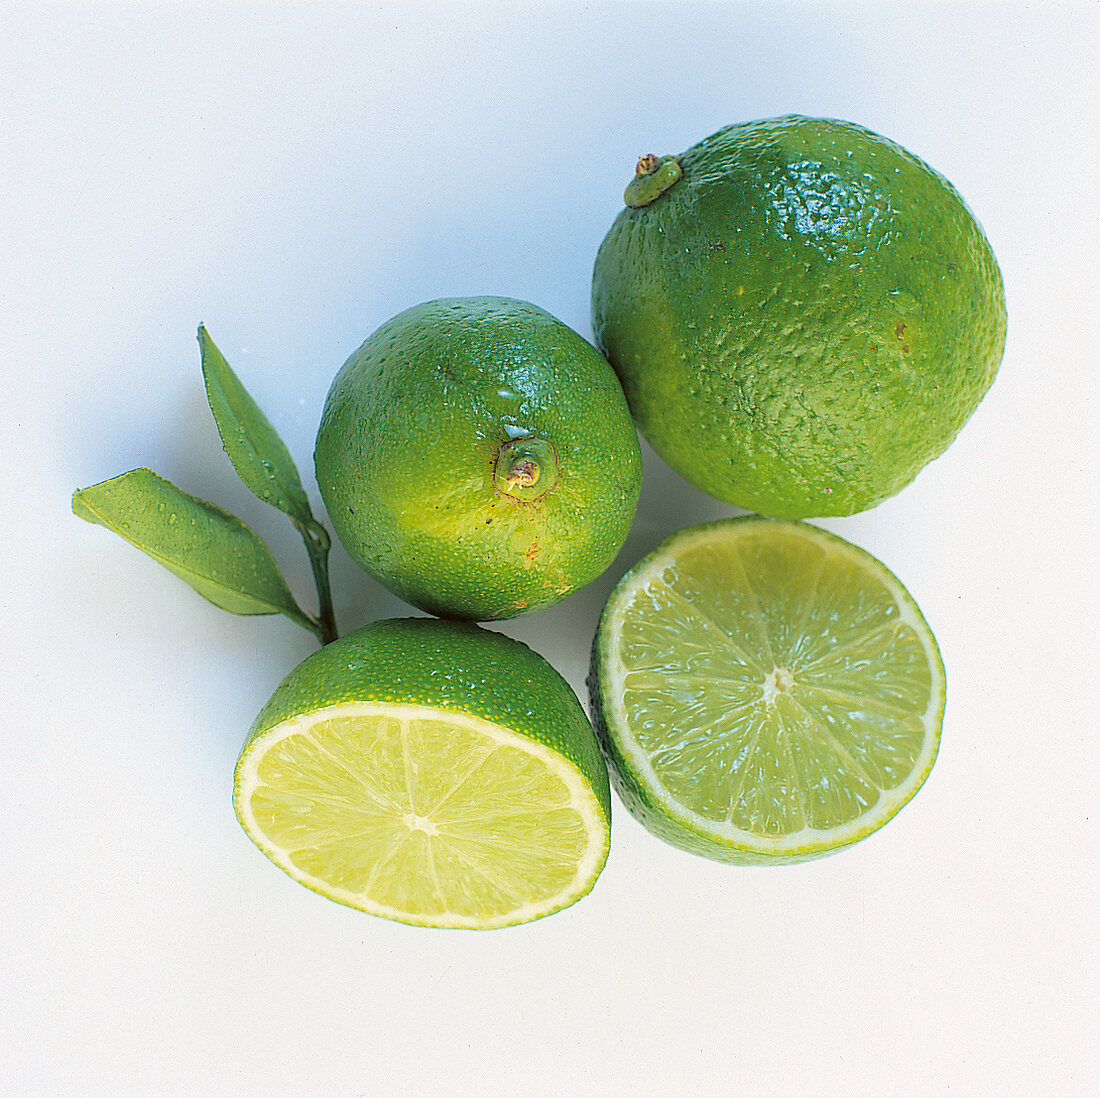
[764, 691]
[426, 812]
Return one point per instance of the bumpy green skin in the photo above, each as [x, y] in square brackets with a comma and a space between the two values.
[455, 666]
[804, 319]
[407, 452]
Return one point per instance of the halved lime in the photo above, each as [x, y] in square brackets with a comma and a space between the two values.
[765, 691]
[429, 772]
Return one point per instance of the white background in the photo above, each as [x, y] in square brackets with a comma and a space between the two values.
[293, 176]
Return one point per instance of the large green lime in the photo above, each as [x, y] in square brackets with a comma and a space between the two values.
[478, 457]
[430, 772]
[802, 314]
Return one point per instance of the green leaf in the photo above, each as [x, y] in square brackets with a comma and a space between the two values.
[253, 445]
[216, 553]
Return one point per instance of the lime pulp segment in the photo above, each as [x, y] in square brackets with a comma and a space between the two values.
[422, 815]
[768, 690]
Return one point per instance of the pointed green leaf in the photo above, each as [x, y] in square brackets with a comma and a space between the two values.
[216, 553]
[253, 445]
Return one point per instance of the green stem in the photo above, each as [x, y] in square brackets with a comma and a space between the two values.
[306, 621]
[318, 544]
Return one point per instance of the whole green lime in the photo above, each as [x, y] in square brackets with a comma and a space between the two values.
[478, 457]
[802, 314]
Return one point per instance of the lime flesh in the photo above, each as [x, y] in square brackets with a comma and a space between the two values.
[429, 772]
[420, 816]
[765, 691]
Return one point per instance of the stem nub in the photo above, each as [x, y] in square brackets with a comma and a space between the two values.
[653, 176]
[526, 469]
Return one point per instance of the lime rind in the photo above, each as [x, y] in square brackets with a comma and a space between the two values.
[637, 778]
[581, 805]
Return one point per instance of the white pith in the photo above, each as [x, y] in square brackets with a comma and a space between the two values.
[807, 839]
[581, 799]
